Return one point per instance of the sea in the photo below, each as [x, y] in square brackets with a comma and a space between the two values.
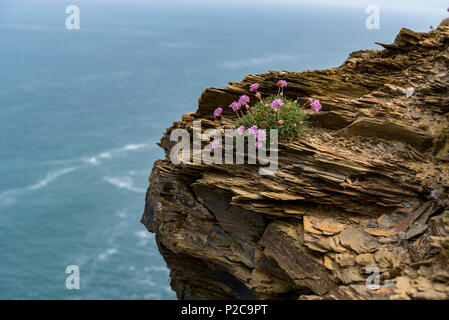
[81, 111]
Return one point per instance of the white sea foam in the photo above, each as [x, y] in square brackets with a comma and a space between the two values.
[122, 214]
[123, 183]
[105, 155]
[91, 160]
[144, 237]
[10, 196]
[51, 176]
[143, 234]
[134, 146]
[107, 253]
[94, 160]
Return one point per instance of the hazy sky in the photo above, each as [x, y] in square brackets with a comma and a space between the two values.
[403, 5]
[388, 4]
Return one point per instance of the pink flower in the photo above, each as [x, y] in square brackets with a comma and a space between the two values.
[316, 105]
[276, 104]
[282, 83]
[240, 130]
[258, 95]
[215, 144]
[218, 112]
[234, 106]
[254, 87]
[253, 130]
[261, 135]
[243, 100]
[259, 145]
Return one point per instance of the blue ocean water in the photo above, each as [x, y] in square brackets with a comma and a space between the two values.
[81, 111]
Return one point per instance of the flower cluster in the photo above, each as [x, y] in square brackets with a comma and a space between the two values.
[273, 112]
[253, 88]
[260, 134]
[217, 112]
[282, 83]
[236, 105]
[315, 105]
[276, 104]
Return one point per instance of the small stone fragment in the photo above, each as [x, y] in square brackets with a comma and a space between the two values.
[409, 92]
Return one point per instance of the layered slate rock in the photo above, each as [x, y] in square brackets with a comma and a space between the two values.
[366, 185]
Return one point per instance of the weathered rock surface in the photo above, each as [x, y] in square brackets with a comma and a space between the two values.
[366, 185]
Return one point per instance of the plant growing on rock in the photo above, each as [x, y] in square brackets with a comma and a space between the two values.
[272, 112]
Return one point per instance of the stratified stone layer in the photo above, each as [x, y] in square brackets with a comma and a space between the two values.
[366, 185]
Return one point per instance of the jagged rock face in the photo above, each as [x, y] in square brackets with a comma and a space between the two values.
[366, 185]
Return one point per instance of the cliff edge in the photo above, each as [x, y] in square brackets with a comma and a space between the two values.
[360, 198]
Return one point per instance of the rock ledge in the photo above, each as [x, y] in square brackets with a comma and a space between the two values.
[366, 185]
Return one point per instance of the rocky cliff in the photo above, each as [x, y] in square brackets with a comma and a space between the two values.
[366, 186]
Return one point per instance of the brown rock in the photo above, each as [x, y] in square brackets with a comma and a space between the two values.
[358, 240]
[366, 184]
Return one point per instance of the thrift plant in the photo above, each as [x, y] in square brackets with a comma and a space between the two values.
[273, 112]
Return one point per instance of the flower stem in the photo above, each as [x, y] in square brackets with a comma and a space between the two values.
[249, 112]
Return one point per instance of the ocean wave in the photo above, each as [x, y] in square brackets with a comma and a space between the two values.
[10, 196]
[134, 146]
[107, 253]
[94, 160]
[91, 160]
[50, 177]
[107, 154]
[123, 183]
[121, 214]
[143, 234]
